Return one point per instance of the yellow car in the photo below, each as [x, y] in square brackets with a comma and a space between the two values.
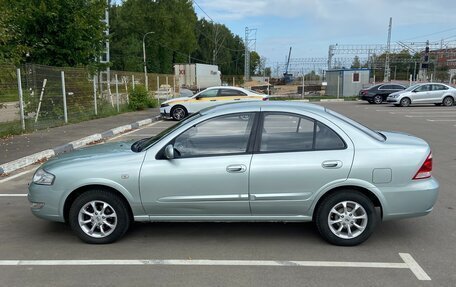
[179, 108]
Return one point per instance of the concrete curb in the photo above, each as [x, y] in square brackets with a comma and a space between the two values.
[332, 100]
[14, 165]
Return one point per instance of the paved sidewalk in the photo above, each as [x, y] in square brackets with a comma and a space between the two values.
[15, 147]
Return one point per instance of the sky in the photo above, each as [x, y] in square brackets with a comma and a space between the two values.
[310, 26]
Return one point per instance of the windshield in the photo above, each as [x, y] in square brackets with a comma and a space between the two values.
[376, 135]
[411, 88]
[141, 144]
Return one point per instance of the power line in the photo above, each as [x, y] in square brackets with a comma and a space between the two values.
[431, 34]
[203, 10]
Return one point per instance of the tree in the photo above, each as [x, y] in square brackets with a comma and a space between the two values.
[267, 71]
[172, 42]
[356, 63]
[60, 33]
[254, 62]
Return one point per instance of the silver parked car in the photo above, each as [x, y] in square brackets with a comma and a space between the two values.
[428, 93]
[253, 161]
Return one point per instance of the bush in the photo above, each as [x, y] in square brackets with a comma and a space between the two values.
[139, 98]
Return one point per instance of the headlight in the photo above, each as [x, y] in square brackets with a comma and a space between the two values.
[164, 105]
[43, 177]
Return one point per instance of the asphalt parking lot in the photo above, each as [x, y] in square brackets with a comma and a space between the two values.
[40, 253]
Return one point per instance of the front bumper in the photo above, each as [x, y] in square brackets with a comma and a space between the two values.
[392, 100]
[49, 202]
[165, 112]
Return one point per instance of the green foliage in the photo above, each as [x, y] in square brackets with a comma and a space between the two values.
[52, 32]
[173, 39]
[254, 62]
[139, 98]
[356, 63]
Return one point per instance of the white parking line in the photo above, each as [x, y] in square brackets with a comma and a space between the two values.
[417, 110]
[409, 263]
[132, 131]
[16, 175]
[13, 194]
[431, 116]
[440, 120]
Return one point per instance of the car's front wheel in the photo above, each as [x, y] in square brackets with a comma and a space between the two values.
[405, 102]
[99, 217]
[178, 113]
[346, 218]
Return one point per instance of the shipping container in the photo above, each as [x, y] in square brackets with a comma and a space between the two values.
[197, 76]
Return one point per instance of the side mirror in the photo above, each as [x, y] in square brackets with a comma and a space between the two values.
[197, 97]
[169, 151]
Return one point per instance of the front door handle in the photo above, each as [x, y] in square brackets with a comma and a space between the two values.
[236, 168]
[213, 100]
[331, 164]
[237, 99]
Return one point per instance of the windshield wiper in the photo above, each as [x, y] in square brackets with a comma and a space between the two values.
[136, 147]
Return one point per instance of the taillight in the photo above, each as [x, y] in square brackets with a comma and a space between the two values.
[425, 169]
[265, 99]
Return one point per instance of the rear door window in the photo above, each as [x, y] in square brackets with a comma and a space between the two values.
[231, 93]
[290, 132]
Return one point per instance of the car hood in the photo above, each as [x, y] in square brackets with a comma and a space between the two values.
[93, 153]
[181, 99]
[398, 93]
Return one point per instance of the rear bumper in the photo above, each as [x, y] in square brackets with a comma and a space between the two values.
[416, 199]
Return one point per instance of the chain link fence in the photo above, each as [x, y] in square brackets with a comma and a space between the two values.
[54, 96]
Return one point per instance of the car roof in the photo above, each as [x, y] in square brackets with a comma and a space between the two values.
[224, 87]
[255, 105]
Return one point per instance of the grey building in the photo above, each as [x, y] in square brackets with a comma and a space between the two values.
[346, 82]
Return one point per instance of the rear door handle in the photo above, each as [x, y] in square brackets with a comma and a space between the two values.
[332, 164]
[213, 100]
[237, 99]
[236, 168]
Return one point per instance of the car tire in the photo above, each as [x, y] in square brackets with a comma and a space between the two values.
[405, 102]
[178, 113]
[99, 217]
[378, 99]
[448, 101]
[344, 211]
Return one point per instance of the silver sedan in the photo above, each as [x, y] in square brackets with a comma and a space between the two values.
[257, 161]
[427, 93]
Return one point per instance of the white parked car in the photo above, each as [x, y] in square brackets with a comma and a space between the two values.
[427, 93]
[179, 108]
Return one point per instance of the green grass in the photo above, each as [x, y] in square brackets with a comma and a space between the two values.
[9, 97]
[14, 127]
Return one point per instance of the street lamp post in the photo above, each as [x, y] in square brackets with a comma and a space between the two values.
[146, 80]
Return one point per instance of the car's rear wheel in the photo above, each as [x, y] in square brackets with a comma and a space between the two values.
[99, 217]
[405, 102]
[448, 101]
[178, 113]
[346, 218]
[378, 99]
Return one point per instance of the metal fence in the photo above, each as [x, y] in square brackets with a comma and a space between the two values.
[53, 96]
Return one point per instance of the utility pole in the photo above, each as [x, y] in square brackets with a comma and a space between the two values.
[105, 57]
[248, 40]
[246, 56]
[146, 78]
[387, 75]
